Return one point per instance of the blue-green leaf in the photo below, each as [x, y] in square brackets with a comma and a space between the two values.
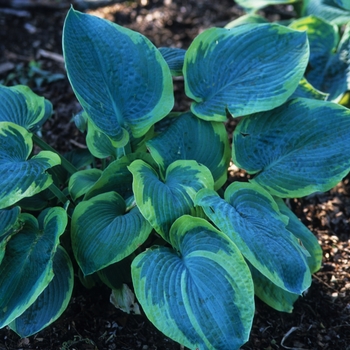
[329, 10]
[162, 202]
[120, 78]
[199, 293]
[269, 293]
[82, 181]
[245, 19]
[258, 4]
[9, 225]
[306, 237]
[297, 149]
[174, 57]
[240, 71]
[20, 105]
[250, 217]
[51, 303]
[26, 269]
[116, 177]
[328, 68]
[191, 138]
[103, 233]
[100, 145]
[21, 177]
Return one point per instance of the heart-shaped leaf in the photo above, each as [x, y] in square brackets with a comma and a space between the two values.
[102, 233]
[297, 149]
[191, 138]
[120, 78]
[26, 269]
[250, 217]
[162, 202]
[199, 293]
[21, 177]
[240, 71]
[51, 303]
[20, 105]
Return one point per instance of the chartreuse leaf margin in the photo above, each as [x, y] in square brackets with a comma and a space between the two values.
[250, 217]
[199, 292]
[27, 267]
[122, 81]
[297, 149]
[21, 176]
[51, 303]
[162, 201]
[104, 233]
[238, 70]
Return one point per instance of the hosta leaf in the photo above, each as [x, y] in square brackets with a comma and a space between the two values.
[117, 177]
[345, 4]
[245, 19]
[26, 269]
[258, 4]
[306, 90]
[269, 293]
[174, 57]
[100, 145]
[20, 105]
[297, 149]
[240, 71]
[337, 72]
[51, 303]
[102, 233]
[19, 176]
[82, 181]
[193, 139]
[329, 62]
[249, 216]
[328, 10]
[199, 293]
[120, 78]
[9, 225]
[307, 238]
[162, 202]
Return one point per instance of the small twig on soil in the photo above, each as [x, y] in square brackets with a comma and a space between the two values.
[52, 55]
[78, 144]
[325, 283]
[287, 335]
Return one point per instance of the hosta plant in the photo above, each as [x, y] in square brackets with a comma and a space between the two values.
[147, 208]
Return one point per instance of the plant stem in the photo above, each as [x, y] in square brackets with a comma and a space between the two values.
[64, 162]
[58, 193]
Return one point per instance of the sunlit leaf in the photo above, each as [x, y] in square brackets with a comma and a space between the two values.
[120, 78]
[199, 292]
[240, 71]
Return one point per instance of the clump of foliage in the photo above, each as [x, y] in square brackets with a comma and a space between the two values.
[156, 215]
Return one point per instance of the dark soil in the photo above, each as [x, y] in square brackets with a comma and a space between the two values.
[31, 54]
